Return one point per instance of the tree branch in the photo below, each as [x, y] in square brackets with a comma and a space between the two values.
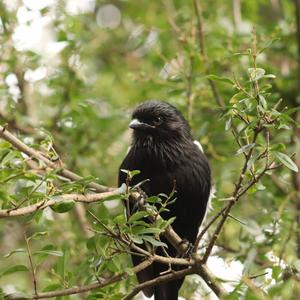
[164, 278]
[33, 271]
[169, 233]
[239, 190]
[19, 145]
[89, 198]
[198, 11]
[86, 288]
[182, 248]
[13, 124]
[296, 136]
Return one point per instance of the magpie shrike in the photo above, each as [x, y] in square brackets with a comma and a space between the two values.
[164, 152]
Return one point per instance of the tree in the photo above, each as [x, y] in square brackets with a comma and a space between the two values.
[234, 72]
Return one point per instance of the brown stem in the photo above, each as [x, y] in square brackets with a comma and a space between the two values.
[209, 224]
[296, 136]
[198, 11]
[160, 279]
[236, 195]
[189, 94]
[89, 198]
[86, 288]
[18, 144]
[237, 16]
[31, 265]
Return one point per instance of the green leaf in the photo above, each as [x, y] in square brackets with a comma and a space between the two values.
[276, 272]
[63, 206]
[14, 269]
[131, 173]
[154, 242]
[218, 78]
[138, 215]
[272, 76]
[269, 44]
[168, 222]
[237, 98]
[278, 147]
[113, 197]
[49, 252]
[256, 74]
[136, 239]
[20, 250]
[91, 243]
[245, 148]
[228, 124]
[37, 235]
[129, 271]
[286, 160]
[153, 199]
[151, 230]
[141, 183]
[52, 287]
[291, 110]
[263, 101]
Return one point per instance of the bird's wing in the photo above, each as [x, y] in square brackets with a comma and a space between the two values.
[128, 149]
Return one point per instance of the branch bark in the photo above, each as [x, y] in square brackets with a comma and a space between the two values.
[86, 288]
[105, 192]
[296, 136]
[18, 144]
[198, 11]
[160, 279]
[89, 198]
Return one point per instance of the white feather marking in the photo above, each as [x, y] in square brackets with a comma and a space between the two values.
[198, 145]
[212, 195]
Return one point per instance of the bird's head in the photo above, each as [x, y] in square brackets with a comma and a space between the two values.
[160, 120]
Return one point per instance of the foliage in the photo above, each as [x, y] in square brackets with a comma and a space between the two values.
[239, 88]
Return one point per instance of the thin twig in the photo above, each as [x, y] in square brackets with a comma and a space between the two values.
[86, 288]
[208, 225]
[161, 279]
[236, 195]
[198, 11]
[13, 124]
[18, 144]
[189, 94]
[31, 264]
[296, 136]
[89, 198]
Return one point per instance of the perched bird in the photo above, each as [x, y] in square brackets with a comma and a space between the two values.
[164, 152]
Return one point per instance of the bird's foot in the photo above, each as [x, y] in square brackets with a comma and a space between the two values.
[189, 248]
[143, 195]
[140, 201]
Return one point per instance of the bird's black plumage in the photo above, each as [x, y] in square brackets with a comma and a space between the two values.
[164, 151]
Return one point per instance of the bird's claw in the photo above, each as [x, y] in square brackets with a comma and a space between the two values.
[189, 248]
[143, 195]
[141, 200]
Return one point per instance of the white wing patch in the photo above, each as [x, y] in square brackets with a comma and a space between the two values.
[212, 195]
[198, 145]
[213, 191]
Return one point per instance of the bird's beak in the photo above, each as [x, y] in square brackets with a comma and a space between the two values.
[137, 124]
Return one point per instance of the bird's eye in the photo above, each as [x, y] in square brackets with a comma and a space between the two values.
[157, 120]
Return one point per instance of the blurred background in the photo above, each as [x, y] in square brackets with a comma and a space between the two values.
[71, 73]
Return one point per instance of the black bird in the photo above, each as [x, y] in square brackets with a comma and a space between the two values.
[164, 151]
